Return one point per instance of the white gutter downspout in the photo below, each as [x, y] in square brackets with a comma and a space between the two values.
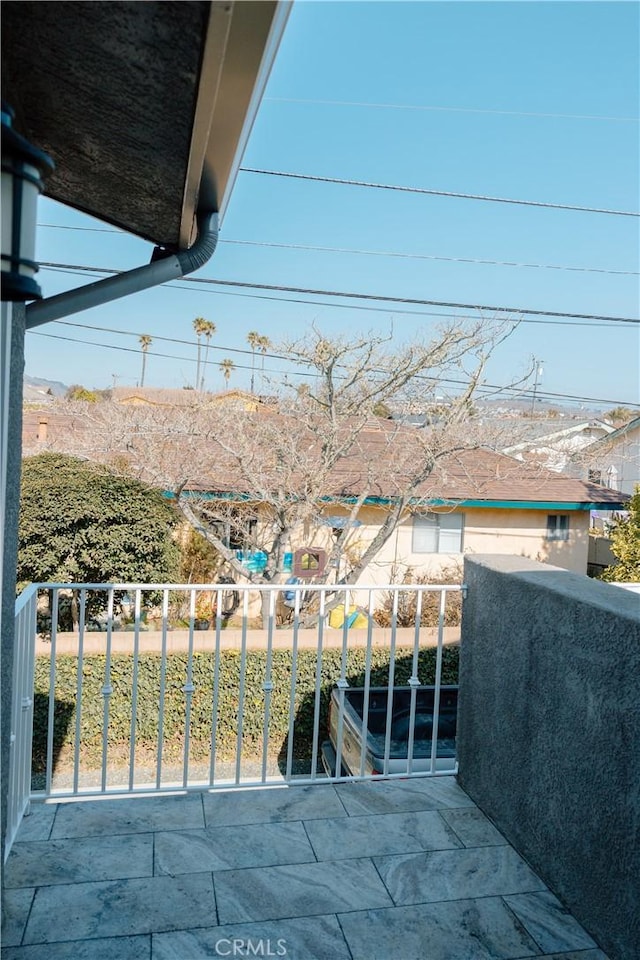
[161, 270]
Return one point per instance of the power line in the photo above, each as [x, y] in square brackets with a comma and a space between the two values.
[355, 306]
[427, 256]
[411, 106]
[381, 298]
[482, 389]
[437, 193]
[380, 253]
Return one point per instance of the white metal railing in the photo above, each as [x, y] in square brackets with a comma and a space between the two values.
[19, 789]
[124, 707]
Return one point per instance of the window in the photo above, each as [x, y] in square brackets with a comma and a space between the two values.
[437, 533]
[595, 476]
[557, 526]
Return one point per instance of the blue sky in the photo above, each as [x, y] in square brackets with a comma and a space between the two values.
[503, 99]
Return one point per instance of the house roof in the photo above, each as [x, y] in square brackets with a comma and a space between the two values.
[144, 107]
[622, 431]
[252, 451]
[384, 457]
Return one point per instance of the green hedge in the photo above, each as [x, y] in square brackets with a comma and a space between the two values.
[149, 676]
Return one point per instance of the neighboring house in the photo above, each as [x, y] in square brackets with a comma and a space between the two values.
[50, 428]
[476, 501]
[557, 449]
[614, 460]
[164, 397]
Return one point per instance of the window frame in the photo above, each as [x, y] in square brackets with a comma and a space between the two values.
[558, 527]
[435, 523]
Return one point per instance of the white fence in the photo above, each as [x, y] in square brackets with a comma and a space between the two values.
[119, 710]
[19, 790]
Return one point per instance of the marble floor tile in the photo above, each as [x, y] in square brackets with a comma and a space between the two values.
[37, 824]
[472, 827]
[575, 955]
[402, 796]
[549, 923]
[114, 948]
[457, 930]
[305, 938]
[232, 848]
[129, 815]
[380, 835]
[44, 862]
[121, 908]
[456, 874]
[16, 905]
[307, 889]
[271, 804]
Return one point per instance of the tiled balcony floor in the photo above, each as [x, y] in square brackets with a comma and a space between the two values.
[396, 870]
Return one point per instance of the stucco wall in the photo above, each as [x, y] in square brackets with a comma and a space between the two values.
[517, 532]
[548, 726]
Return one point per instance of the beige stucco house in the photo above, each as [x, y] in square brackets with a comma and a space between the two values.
[476, 502]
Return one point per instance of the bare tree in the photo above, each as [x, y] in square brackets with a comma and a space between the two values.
[260, 478]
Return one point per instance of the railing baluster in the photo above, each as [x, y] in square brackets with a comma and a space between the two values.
[367, 683]
[107, 691]
[216, 688]
[438, 677]
[414, 681]
[318, 686]
[78, 731]
[243, 669]
[342, 684]
[292, 694]
[52, 692]
[134, 690]
[268, 685]
[390, 682]
[163, 683]
[188, 689]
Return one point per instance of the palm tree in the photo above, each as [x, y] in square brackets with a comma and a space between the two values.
[227, 367]
[199, 325]
[264, 344]
[145, 342]
[209, 328]
[253, 339]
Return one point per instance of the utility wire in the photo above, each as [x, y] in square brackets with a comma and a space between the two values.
[412, 106]
[352, 306]
[427, 256]
[381, 298]
[483, 388]
[437, 193]
[381, 253]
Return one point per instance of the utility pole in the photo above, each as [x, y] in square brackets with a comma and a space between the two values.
[538, 375]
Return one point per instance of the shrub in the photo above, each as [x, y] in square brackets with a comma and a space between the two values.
[200, 727]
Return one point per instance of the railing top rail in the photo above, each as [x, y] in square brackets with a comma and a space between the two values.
[251, 585]
[23, 599]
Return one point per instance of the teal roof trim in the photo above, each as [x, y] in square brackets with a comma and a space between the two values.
[554, 505]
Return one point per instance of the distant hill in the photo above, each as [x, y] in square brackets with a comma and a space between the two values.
[39, 387]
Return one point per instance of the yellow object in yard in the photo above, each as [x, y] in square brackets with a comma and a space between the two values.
[355, 618]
